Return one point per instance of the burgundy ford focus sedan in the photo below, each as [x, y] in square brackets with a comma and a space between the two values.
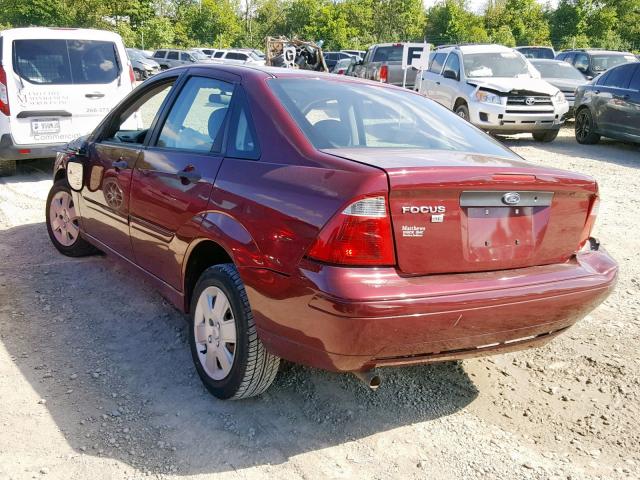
[329, 221]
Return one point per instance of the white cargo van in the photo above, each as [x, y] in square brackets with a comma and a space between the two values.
[56, 84]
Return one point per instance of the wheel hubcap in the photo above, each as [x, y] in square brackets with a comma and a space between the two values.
[215, 333]
[63, 219]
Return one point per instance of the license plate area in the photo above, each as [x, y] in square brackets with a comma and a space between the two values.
[45, 126]
[496, 232]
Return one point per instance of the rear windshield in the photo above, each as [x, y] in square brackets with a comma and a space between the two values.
[388, 54]
[601, 62]
[358, 115]
[537, 52]
[65, 62]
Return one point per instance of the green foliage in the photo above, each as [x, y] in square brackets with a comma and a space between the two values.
[339, 23]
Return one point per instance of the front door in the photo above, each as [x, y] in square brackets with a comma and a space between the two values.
[111, 159]
[173, 178]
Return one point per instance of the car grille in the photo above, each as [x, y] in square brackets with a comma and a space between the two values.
[521, 100]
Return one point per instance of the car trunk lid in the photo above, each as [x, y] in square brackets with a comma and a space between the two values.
[458, 212]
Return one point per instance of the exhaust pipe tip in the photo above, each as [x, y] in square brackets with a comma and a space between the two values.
[371, 379]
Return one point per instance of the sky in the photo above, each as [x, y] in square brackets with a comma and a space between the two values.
[478, 5]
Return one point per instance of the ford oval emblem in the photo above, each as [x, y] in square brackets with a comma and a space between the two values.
[511, 198]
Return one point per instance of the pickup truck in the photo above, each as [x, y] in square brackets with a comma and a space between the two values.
[383, 63]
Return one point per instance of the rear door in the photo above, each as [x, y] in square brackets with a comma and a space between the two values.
[634, 105]
[174, 175]
[111, 159]
[614, 100]
[62, 88]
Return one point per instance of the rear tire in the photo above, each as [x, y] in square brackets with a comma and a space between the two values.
[585, 128]
[229, 357]
[545, 136]
[7, 168]
[137, 74]
[63, 222]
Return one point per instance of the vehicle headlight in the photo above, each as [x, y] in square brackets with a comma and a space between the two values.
[148, 68]
[560, 98]
[488, 97]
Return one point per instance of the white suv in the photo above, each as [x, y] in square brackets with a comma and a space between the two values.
[496, 89]
[56, 84]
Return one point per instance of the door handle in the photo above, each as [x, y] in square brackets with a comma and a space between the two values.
[120, 164]
[94, 95]
[597, 92]
[189, 176]
[437, 83]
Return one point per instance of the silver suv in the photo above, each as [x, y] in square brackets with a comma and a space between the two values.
[496, 89]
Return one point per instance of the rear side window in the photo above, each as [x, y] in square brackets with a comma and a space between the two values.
[363, 116]
[66, 62]
[437, 62]
[218, 54]
[197, 116]
[236, 56]
[173, 55]
[243, 141]
[388, 54]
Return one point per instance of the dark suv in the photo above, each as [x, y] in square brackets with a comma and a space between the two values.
[610, 106]
[592, 62]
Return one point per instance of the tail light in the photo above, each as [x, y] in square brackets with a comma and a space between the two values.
[132, 75]
[4, 93]
[384, 73]
[591, 220]
[359, 235]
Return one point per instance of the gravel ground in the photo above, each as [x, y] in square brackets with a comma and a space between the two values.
[96, 379]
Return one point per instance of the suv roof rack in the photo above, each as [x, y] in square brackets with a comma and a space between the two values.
[456, 45]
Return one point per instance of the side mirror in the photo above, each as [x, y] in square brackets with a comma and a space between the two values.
[450, 74]
[588, 77]
[75, 174]
[582, 68]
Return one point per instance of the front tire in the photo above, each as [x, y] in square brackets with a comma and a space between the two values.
[585, 128]
[229, 357]
[463, 112]
[545, 136]
[63, 222]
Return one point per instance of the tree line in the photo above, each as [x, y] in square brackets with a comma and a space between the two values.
[355, 24]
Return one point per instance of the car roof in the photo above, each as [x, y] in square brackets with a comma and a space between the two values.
[59, 33]
[597, 50]
[533, 46]
[546, 60]
[475, 48]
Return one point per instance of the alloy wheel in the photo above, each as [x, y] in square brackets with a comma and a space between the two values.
[64, 219]
[215, 333]
[583, 125]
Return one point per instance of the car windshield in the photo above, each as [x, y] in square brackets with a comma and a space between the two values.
[254, 56]
[135, 55]
[358, 115]
[198, 55]
[495, 64]
[600, 62]
[558, 69]
[66, 62]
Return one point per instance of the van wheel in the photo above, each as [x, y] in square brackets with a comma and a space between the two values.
[63, 222]
[545, 136]
[229, 357]
[7, 168]
[585, 128]
[463, 111]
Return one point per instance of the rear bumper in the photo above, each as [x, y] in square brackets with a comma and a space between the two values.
[11, 151]
[349, 319]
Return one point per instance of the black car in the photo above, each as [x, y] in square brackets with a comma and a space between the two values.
[610, 106]
[331, 58]
[537, 52]
[592, 62]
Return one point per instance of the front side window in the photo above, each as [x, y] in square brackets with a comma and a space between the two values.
[495, 64]
[133, 123]
[452, 65]
[354, 115]
[619, 77]
[66, 62]
[160, 54]
[582, 62]
[218, 54]
[197, 115]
